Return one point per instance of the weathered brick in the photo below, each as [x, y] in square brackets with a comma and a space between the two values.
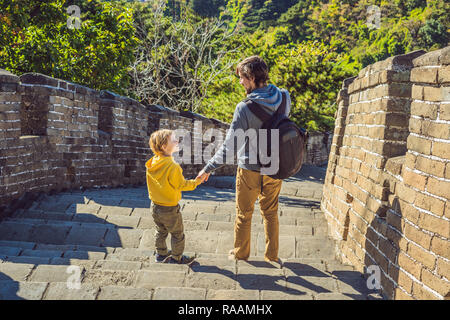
[444, 74]
[436, 283]
[433, 167]
[436, 206]
[425, 110]
[391, 75]
[421, 293]
[418, 236]
[428, 59]
[388, 249]
[387, 285]
[441, 247]
[433, 94]
[438, 187]
[434, 224]
[415, 125]
[404, 281]
[409, 265]
[417, 92]
[419, 144]
[441, 149]
[422, 256]
[395, 220]
[447, 210]
[436, 130]
[415, 180]
[400, 295]
[443, 268]
[405, 193]
[400, 89]
[424, 74]
[444, 111]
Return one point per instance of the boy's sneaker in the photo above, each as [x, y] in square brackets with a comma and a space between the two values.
[160, 258]
[184, 260]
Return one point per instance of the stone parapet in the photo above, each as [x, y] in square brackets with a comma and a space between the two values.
[387, 189]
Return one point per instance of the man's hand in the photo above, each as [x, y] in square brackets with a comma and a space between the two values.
[203, 175]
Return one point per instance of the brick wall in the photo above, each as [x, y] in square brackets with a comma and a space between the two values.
[55, 135]
[387, 188]
[318, 148]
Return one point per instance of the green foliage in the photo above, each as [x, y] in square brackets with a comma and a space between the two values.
[311, 74]
[310, 46]
[434, 33]
[208, 8]
[309, 71]
[234, 13]
[34, 37]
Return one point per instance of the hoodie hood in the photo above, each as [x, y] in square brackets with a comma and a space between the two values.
[268, 96]
[157, 164]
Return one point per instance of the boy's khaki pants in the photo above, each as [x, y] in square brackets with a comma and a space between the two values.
[251, 185]
[168, 220]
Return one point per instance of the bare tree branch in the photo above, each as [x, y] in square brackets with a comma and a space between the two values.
[177, 61]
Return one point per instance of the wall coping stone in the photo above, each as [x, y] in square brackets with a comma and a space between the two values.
[8, 77]
[433, 58]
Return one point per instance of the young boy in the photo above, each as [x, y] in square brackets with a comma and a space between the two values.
[165, 182]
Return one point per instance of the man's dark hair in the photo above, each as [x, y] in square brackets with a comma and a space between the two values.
[254, 66]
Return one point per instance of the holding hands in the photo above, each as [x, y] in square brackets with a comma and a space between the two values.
[203, 176]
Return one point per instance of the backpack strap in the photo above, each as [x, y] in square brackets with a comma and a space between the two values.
[260, 113]
[257, 110]
[282, 108]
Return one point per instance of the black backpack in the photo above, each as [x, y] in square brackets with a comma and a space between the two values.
[292, 139]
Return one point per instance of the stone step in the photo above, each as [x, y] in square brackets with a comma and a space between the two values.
[140, 220]
[294, 240]
[213, 273]
[288, 225]
[14, 290]
[18, 290]
[203, 263]
[291, 246]
[125, 207]
[148, 223]
[66, 233]
[36, 253]
[81, 220]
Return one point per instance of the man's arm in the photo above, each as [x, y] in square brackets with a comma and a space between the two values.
[219, 158]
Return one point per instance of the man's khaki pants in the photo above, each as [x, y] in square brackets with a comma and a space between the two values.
[168, 220]
[251, 185]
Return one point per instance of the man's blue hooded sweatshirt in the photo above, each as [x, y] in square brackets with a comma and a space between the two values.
[268, 98]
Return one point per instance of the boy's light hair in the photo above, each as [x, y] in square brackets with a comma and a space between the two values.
[158, 140]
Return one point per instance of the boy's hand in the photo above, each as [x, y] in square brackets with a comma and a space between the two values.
[203, 175]
[200, 179]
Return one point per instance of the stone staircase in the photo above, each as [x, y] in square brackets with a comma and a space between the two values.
[103, 240]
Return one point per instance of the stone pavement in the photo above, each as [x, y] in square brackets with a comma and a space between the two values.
[102, 240]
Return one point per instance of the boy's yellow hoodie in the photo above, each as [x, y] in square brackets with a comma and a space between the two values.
[165, 180]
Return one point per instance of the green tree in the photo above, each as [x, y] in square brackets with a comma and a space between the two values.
[208, 8]
[310, 71]
[35, 37]
[434, 33]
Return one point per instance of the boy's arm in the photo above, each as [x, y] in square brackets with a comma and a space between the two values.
[177, 180]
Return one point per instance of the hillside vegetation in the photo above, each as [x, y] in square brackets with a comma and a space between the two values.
[183, 53]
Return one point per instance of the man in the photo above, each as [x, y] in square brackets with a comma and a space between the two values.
[250, 184]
